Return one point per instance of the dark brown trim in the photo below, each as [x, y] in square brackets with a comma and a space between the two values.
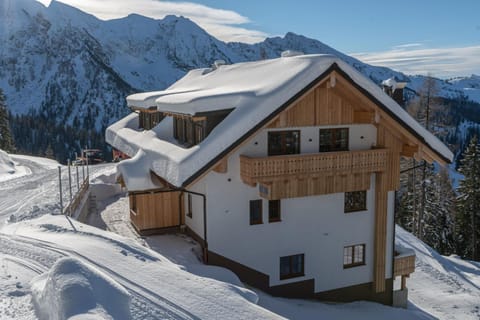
[365, 291]
[192, 234]
[248, 275]
[303, 289]
[296, 290]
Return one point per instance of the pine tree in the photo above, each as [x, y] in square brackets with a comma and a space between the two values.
[438, 225]
[6, 142]
[468, 203]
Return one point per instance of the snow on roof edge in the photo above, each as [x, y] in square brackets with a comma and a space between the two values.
[177, 172]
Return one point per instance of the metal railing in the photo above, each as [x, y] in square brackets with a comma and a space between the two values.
[77, 186]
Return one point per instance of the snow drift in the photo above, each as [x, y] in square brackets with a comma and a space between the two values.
[7, 166]
[72, 288]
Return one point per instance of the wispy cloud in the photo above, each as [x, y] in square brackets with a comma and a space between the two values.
[417, 59]
[226, 25]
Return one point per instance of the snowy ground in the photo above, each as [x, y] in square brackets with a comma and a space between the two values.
[163, 274]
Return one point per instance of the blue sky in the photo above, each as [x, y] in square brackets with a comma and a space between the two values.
[439, 37]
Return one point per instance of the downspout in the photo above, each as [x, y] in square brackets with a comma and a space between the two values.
[205, 242]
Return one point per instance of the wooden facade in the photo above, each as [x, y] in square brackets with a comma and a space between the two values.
[156, 210]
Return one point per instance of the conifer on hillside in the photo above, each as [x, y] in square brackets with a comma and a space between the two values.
[6, 142]
[468, 203]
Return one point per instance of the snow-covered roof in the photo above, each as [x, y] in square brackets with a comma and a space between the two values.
[135, 173]
[144, 99]
[255, 90]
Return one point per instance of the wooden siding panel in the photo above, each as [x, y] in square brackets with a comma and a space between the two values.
[155, 210]
[404, 265]
[312, 186]
[322, 106]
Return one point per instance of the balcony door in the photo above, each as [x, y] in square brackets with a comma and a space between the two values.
[283, 142]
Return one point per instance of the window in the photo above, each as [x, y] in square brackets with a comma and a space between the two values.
[355, 201]
[189, 206]
[292, 266]
[354, 256]
[274, 210]
[334, 139]
[283, 142]
[256, 212]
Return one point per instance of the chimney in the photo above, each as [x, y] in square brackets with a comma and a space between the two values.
[395, 90]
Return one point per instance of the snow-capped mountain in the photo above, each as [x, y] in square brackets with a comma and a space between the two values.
[75, 70]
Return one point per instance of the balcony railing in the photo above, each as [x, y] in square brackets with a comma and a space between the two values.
[404, 264]
[253, 170]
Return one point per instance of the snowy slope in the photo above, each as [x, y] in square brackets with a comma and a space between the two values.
[446, 287]
[7, 166]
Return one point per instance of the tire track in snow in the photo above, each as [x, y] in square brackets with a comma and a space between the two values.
[145, 304]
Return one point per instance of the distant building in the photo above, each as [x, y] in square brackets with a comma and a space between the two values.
[284, 170]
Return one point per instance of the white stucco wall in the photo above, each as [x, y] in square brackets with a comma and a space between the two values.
[315, 226]
[196, 221]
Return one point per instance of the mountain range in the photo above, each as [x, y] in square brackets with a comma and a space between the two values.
[63, 70]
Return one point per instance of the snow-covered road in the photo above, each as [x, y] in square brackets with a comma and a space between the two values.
[35, 191]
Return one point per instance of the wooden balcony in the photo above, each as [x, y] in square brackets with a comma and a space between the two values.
[404, 264]
[299, 175]
[253, 170]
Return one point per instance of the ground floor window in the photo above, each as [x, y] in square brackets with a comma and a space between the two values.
[355, 201]
[274, 211]
[292, 266]
[256, 212]
[354, 256]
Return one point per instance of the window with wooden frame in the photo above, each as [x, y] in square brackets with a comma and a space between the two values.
[256, 212]
[274, 211]
[292, 266]
[189, 206]
[283, 142]
[353, 256]
[334, 139]
[355, 201]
